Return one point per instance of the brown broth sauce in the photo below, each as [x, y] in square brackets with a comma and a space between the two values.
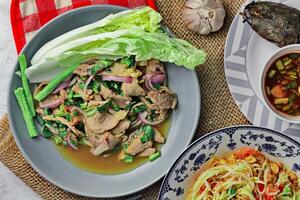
[83, 159]
[292, 107]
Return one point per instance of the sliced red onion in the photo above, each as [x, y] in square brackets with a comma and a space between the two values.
[52, 104]
[61, 86]
[158, 79]
[117, 79]
[52, 130]
[153, 78]
[149, 85]
[88, 81]
[136, 123]
[68, 139]
[147, 76]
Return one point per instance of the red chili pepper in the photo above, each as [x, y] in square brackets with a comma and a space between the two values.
[280, 187]
[261, 187]
[267, 197]
[256, 196]
[213, 185]
[244, 152]
[201, 189]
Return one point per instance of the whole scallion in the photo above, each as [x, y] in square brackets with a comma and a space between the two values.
[54, 83]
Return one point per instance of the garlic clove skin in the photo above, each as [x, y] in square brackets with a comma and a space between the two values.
[204, 16]
[204, 22]
[217, 19]
[195, 4]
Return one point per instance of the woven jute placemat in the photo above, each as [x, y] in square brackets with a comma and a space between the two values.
[218, 108]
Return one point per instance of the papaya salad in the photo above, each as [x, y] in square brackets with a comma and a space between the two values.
[246, 174]
[104, 85]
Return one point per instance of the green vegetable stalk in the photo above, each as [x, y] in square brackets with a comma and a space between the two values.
[23, 66]
[25, 109]
[54, 83]
[154, 156]
[128, 159]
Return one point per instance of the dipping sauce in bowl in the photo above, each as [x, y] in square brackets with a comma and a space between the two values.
[282, 84]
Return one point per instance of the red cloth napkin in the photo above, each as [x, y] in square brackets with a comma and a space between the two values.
[28, 16]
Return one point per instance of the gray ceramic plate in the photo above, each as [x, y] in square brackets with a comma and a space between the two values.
[42, 155]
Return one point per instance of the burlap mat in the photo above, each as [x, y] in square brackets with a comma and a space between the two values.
[218, 108]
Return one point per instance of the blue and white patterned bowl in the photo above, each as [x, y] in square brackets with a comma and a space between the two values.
[221, 142]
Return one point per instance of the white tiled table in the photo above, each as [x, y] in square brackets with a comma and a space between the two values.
[11, 187]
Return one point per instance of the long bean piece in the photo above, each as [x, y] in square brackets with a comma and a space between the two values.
[25, 109]
[25, 83]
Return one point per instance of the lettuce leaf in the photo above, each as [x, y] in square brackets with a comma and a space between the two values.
[114, 45]
[145, 18]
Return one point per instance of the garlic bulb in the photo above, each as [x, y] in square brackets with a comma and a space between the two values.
[204, 16]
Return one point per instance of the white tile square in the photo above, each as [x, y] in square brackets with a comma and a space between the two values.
[28, 7]
[62, 3]
[30, 35]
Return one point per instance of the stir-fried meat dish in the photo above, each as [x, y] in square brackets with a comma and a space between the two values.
[109, 105]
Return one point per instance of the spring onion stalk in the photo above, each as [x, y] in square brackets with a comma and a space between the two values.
[46, 132]
[128, 159]
[68, 117]
[272, 73]
[84, 105]
[281, 101]
[91, 112]
[25, 83]
[40, 120]
[288, 62]
[154, 156]
[25, 109]
[144, 138]
[58, 140]
[148, 131]
[77, 96]
[71, 94]
[279, 65]
[54, 83]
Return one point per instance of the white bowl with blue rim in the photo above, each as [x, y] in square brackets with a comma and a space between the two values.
[272, 144]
